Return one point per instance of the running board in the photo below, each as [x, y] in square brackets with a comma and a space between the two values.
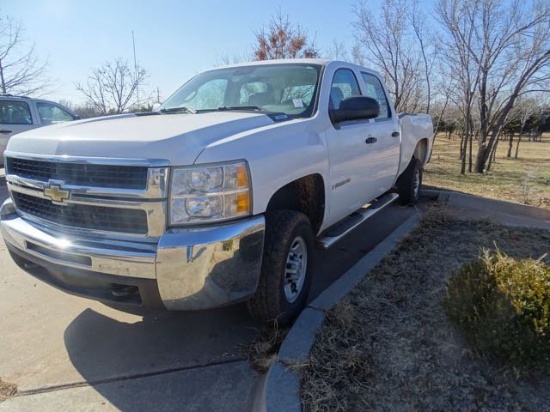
[336, 232]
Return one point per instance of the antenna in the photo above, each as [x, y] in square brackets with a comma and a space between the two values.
[135, 68]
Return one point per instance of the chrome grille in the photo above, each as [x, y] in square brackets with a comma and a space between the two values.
[94, 175]
[83, 216]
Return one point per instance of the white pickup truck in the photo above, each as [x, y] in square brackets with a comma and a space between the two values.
[219, 196]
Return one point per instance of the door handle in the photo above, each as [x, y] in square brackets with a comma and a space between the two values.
[371, 140]
[395, 134]
[5, 131]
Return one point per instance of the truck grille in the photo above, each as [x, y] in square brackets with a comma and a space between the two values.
[84, 216]
[118, 177]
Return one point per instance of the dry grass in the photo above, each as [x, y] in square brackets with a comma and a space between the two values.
[390, 347]
[7, 390]
[262, 351]
[524, 180]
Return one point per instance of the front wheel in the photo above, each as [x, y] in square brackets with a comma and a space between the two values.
[286, 270]
[409, 186]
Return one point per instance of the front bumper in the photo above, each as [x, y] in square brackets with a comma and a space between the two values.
[186, 269]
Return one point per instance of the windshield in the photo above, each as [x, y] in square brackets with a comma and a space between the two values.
[280, 88]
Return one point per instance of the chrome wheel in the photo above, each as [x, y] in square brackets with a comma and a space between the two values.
[296, 268]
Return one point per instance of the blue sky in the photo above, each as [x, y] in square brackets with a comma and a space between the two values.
[174, 39]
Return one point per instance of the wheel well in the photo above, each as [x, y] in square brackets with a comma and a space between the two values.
[421, 151]
[305, 195]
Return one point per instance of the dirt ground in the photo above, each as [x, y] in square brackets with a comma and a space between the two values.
[6, 390]
[390, 347]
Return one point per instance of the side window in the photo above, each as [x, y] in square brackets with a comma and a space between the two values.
[52, 114]
[344, 85]
[375, 90]
[14, 112]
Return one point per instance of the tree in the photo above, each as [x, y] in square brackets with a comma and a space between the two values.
[518, 120]
[283, 40]
[84, 111]
[498, 51]
[396, 42]
[110, 89]
[337, 51]
[21, 72]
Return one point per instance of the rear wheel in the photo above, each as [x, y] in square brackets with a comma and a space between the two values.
[409, 186]
[286, 271]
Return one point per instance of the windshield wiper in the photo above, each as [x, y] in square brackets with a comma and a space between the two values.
[180, 109]
[255, 108]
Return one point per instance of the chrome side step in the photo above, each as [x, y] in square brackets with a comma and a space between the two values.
[336, 232]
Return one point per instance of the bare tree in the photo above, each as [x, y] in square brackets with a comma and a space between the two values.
[396, 42]
[110, 89]
[224, 59]
[283, 40]
[82, 110]
[337, 51]
[522, 112]
[498, 51]
[463, 75]
[21, 72]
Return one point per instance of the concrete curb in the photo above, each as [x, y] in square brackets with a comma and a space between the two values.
[281, 390]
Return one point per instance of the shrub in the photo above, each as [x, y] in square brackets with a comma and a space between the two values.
[502, 306]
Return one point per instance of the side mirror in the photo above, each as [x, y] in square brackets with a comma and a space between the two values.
[355, 108]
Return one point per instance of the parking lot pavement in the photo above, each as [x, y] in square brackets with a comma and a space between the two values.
[62, 350]
[229, 387]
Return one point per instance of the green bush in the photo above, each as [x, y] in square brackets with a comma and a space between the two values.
[502, 306]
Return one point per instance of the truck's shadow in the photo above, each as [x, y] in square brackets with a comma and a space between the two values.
[106, 352]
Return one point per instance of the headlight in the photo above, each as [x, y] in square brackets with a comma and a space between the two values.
[212, 193]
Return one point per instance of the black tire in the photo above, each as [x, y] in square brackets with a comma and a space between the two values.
[409, 186]
[285, 230]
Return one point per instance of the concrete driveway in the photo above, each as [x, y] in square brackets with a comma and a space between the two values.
[65, 352]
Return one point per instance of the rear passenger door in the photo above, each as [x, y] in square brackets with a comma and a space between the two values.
[384, 159]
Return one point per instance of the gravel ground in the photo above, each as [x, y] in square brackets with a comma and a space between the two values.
[390, 347]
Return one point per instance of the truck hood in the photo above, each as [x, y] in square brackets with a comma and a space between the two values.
[178, 138]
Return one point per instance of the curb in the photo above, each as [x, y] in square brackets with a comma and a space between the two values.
[281, 389]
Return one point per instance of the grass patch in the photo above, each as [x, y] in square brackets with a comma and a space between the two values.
[524, 180]
[7, 390]
[389, 344]
[502, 306]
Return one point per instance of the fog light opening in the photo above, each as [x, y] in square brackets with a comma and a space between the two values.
[122, 291]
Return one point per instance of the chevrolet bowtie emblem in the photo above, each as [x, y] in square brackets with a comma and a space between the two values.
[55, 193]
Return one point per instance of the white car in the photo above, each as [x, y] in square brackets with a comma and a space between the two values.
[19, 114]
[218, 197]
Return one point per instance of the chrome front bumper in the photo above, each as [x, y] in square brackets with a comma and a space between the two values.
[190, 269]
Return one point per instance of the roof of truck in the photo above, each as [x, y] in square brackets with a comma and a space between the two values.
[320, 62]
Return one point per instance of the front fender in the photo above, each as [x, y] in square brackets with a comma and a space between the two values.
[277, 155]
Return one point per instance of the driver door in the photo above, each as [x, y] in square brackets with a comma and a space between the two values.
[350, 152]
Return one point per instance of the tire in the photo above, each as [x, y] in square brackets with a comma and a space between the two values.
[409, 186]
[288, 240]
